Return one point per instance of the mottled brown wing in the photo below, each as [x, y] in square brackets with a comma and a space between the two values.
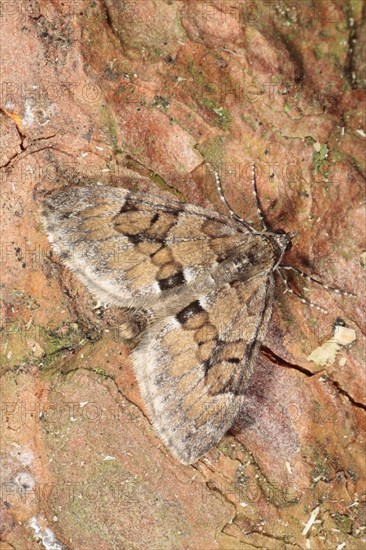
[132, 249]
[193, 367]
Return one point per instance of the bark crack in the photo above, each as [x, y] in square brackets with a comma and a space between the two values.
[277, 360]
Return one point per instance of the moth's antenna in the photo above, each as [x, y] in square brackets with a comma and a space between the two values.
[222, 196]
[223, 199]
[255, 193]
[313, 280]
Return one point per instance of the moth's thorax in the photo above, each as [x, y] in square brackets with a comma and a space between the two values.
[253, 257]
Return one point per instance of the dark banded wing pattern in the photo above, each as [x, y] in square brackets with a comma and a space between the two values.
[199, 363]
[130, 249]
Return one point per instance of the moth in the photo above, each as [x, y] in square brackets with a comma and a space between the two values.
[202, 279]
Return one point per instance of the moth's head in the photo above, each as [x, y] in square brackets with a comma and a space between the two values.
[283, 239]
